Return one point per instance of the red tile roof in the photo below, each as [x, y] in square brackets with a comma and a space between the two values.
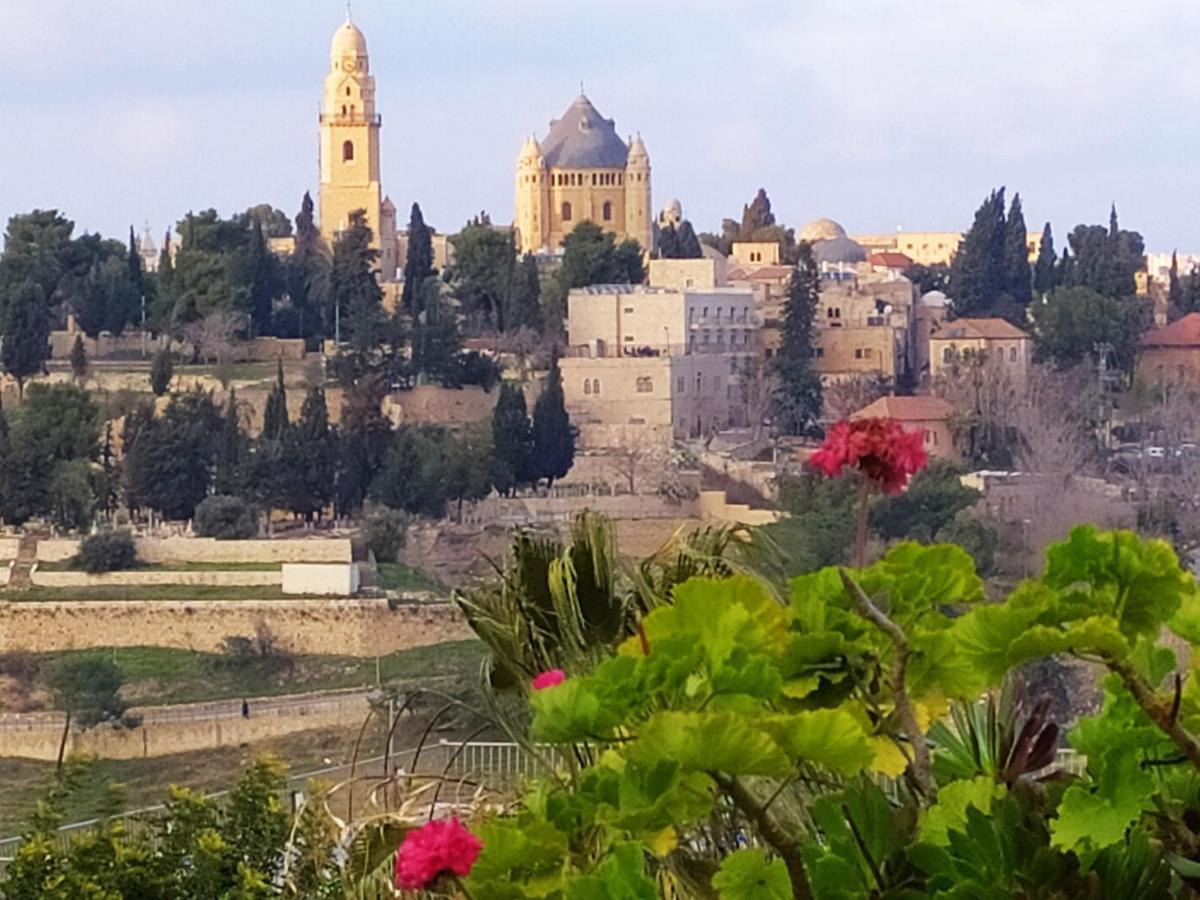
[907, 409]
[986, 329]
[891, 260]
[1184, 332]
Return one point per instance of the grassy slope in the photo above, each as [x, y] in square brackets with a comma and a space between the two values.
[401, 577]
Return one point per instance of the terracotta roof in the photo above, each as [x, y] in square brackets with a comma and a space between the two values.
[906, 409]
[762, 273]
[891, 260]
[1184, 332]
[986, 329]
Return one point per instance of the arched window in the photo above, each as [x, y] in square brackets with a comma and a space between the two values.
[1012, 354]
[348, 151]
[347, 91]
[948, 355]
[587, 386]
[645, 385]
[566, 212]
[595, 385]
[343, 109]
[607, 211]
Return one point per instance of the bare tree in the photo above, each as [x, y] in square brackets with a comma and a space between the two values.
[212, 337]
[641, 460]
[842, 398]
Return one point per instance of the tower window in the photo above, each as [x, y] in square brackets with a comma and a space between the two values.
[347, 92]
[566, 212]
[348, 151]
[607, 211]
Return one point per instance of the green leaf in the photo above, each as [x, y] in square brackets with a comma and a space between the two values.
[621, 876]
[750, 875]
[525, 850]
[832, 738]
[710, 742]
[587, 707]
[1099, 817]
[950, 811]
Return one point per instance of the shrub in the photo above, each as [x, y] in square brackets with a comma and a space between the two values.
[108, 551]
[162, 370]
[225, 518]
[384, 532]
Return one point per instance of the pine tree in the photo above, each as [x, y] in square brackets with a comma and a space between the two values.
[26, 330]
[798, 398]
[689, 244]
[1045, 277]
[162, 370]
[229, 473]
[1017, 277]
[1064, 275]
[757, 215]
[418, 262]
[79, 360]
[977, 277]
[553, 434]
[525, 306]
[303, 267]
[275, 415]
[309, 458]
[1114, 229]
[262, 281]
[512, 442]
[1174, 290]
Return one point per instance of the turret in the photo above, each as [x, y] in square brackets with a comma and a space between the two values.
[532, 197]
[637, 194]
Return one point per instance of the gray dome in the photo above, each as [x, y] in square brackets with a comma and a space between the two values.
[839, 250]
[584, 139]
[822, 230]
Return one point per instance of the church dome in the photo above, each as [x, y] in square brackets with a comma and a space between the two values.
[838, 250]
[822, 230]
[348, 41]
[584, 139]
[673, 209]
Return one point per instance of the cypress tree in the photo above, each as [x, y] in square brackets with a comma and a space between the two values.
[1064, 275]
[79, 360]
[756, 215]
[1044, 275]
[525, 304]
[262, 282]
[162, 370]
[357, 296]
[977, 276]
[553, 433]
[798, 398]
[418, 262]
[231, 451]
[26, 330]
[512, 441]
[1174, 290]
[301, 266]
[668, 242]
[689, 244]
[136, 276]
[275, 415]
[1016, 254]
[309, 458]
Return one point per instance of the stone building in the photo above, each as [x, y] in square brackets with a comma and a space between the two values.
[930, 415]
[582, 171]
[1171, 354]
[349, 149]
[675, 363]
[995, 340]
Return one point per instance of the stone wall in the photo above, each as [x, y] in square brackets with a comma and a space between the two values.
[358, 628]
[140, 577]
[8, 548]
[185, 728]
[210, 550]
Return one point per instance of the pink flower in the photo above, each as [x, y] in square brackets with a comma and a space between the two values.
[435, 848]
[879, 448]
[549, 679]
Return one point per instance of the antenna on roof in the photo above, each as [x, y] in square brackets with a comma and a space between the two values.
[349, 16]
[581, 87]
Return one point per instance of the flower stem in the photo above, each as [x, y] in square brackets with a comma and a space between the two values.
[860, 541]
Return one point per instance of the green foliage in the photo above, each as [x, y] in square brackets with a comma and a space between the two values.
[798, 398]
[1045, 270]
[384, 531]
[1104, 260]
[355, 296]
[79, 360]
[418, 262]
[225, 518]
[106, 551]
[592, 255]
[87, 688]
[552, 433]
[25, 324]
[169, 460]
[1073, 320]
[819, 528]
[512, 439]
[162, 370]
[977, 276]
[934, 497]
[750, 875]
[483, 276]
[525, 305]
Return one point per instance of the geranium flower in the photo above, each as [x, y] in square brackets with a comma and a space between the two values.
[434, 849]
[879, 448]
[549, 679]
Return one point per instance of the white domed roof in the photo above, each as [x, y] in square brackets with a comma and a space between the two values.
[934, 298]
[673, 208]
[822, 230]
[348, 41]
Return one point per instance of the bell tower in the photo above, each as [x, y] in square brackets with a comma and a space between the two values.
[350, 146]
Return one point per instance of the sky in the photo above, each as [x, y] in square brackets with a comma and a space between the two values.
[881, 114]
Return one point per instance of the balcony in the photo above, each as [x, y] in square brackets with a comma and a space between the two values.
[350, 119]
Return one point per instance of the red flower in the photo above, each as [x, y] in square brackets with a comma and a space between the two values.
[879, 448]
[549, 679]
[435, 848]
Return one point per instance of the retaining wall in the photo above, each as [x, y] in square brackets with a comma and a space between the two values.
[360, 628]
[137, 577]
[197, 549]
